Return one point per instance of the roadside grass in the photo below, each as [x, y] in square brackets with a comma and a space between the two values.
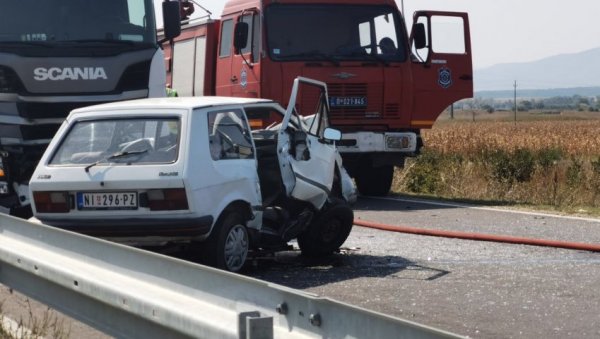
[547, 164]
[47, 325]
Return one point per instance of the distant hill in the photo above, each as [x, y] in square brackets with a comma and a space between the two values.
[556, 72]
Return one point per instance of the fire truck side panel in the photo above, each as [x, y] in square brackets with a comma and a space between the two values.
[191, 59]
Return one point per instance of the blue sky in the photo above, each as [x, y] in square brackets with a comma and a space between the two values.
[504, 31]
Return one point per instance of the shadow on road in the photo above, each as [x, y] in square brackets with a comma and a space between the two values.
[294, 270]
[291, 268]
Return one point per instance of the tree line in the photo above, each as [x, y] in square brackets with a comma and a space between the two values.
[575, 102]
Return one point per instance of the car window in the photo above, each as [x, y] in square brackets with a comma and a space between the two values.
[139, 140]
[316, 116]
[229, 136]
[263, 117]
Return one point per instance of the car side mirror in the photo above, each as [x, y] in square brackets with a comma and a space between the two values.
[332, 134]
[419, 37]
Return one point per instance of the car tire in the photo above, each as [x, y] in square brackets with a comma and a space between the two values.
[228, 245]
[328, 231]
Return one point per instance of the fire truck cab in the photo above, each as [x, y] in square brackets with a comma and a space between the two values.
[385, 83]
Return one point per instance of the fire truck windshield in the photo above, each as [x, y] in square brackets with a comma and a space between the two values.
[38, 22]
[335, 32]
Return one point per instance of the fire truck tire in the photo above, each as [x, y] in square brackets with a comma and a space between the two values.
[328, 231]
[375, 181]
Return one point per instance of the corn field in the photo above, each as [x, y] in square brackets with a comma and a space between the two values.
[574, 138]
[553, 163]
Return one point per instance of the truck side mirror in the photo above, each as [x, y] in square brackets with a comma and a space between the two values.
[171, 19]
[419, 36]
[240, 36]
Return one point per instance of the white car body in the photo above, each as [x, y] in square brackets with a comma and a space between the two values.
[88, 183]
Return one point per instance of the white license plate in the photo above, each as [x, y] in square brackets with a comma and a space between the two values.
[107, 200]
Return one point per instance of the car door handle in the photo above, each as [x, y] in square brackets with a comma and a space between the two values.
[466, 77]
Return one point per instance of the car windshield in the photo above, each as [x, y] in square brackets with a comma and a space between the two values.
[60, 22]
[345, 32]
[122, 141]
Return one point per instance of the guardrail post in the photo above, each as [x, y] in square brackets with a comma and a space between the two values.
[252, 326]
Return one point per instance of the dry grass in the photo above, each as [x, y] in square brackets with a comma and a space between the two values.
[47, 325]
[541, 161]
[573, 137]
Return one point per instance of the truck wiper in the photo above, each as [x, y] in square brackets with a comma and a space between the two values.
[112, 157]
[316, 54]
[378, 58]
[100, 41]
[48, 44]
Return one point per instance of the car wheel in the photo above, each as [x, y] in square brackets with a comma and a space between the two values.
[328, 231]
[227, 246]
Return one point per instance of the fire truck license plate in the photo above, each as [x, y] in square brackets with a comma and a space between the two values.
[347, 101]
[107, 200]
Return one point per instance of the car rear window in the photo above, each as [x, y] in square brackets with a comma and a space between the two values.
[139, 140]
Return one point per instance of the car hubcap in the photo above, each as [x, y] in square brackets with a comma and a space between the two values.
[236, 248]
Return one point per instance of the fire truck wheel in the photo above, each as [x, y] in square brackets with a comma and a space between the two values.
[328, 231]
[375, 181]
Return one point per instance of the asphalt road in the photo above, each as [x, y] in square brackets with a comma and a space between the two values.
[473, 288]
[479, 289]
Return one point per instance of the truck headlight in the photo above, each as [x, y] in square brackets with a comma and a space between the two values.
[3, 182]
[8, 80]
[397, 142]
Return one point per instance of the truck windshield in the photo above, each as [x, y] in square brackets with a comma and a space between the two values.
[53, 22]
[332, 33]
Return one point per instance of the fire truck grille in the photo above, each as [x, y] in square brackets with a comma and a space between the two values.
[392, 110]
[373, 94]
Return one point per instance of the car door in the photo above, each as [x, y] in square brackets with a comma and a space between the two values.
[306, 158]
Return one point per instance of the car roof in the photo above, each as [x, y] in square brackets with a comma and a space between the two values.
[171, 103]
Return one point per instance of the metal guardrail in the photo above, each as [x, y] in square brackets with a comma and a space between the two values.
[130, 293]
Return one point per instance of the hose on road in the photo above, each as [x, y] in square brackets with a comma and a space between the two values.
[479, 236]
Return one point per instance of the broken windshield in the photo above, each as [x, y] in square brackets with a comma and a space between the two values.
[56, 21]
[334, 33]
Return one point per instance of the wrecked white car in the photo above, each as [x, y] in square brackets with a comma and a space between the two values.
[154, 171]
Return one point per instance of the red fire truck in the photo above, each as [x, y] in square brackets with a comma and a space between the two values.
[385, 84]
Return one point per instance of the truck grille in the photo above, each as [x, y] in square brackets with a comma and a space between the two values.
[46, 110]
[38, 132]
[373, 93]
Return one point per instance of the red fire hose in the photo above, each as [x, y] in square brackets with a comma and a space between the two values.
[479, 236]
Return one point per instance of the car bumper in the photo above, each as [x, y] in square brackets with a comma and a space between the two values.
[138, 228]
